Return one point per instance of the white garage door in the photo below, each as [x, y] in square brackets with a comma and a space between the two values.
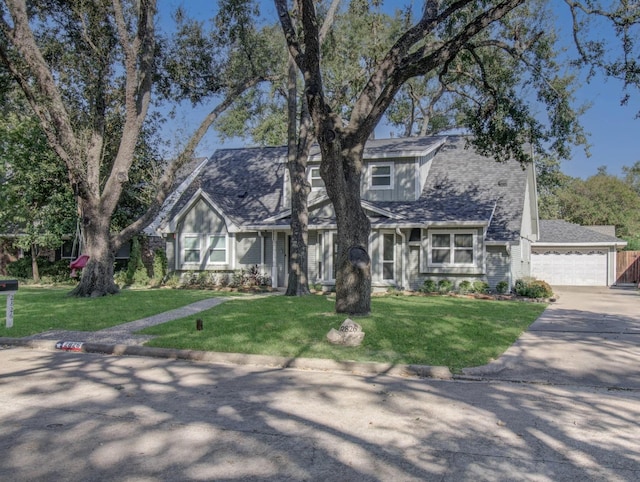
[570, 268]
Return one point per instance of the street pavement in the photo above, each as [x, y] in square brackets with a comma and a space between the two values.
[86, 416]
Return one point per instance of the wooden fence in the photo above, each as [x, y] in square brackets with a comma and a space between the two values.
[628, 267]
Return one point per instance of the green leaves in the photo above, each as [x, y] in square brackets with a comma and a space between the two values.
[36, 199]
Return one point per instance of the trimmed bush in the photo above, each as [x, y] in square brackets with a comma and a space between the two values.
[502, 287]
[465, 287]
[429, 286]
[480, 287]
[533, 288]
[445, 286]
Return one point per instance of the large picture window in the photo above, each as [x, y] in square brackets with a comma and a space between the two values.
[452, 249]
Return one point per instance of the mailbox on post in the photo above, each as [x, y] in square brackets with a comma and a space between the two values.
[8, 287]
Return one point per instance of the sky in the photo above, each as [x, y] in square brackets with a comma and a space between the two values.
[613, 129]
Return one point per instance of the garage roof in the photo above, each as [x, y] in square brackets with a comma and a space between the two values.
[563, 232]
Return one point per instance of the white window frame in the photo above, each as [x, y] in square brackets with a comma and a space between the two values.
[452, 248]
[184, 249]
[210, 248]
[311, 178]
[372, 176]
[384, 261]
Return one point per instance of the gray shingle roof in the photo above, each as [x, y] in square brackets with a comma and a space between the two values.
[247, 184]
[561, 232]
[462, 186]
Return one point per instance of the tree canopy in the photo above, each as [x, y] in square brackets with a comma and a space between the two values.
[89, 72]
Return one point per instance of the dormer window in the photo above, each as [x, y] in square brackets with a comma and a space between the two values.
[314, 179]
[381, 175]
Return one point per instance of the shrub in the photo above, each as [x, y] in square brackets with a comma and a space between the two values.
[540, 289]
[55, 272]
[502, 287]
[136, 270]
[120, 278]
[159, 265]
[464, 287]
[533, 288]
[173, 281]
[444, 286]
[250, 278]
[429, 286]
[480, 287]
[20, 269]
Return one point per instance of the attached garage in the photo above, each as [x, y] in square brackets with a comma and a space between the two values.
[572, 255]
[573, 267]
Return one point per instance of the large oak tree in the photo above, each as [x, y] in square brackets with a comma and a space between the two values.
[491, 44]
[88, 71]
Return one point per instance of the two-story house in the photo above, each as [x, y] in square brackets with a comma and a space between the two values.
[437, 209]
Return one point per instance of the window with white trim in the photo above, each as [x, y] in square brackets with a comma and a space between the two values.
[381, 175]
[315, 179]
[218, 249]
[191, 248]
[388, 256]
[452, 249]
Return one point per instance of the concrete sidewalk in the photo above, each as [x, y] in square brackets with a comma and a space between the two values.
[124, 334]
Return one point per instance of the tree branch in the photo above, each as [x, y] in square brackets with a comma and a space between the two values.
[166, 183]
[54, 117]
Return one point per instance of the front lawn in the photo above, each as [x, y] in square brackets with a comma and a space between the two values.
[42, 309]
[432, 330]
[454, 332]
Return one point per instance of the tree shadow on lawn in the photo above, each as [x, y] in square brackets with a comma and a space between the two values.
[82, 416]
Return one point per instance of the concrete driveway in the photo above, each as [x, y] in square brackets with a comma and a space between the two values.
[590, 336]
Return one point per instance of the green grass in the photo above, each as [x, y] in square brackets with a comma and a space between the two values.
[42, 309]
[453, 332]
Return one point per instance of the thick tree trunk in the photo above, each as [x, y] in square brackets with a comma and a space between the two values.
[97, 275]
[353, 274]
[298, 284]
[341, 172]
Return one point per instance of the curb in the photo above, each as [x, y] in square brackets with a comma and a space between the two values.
[361, 368]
